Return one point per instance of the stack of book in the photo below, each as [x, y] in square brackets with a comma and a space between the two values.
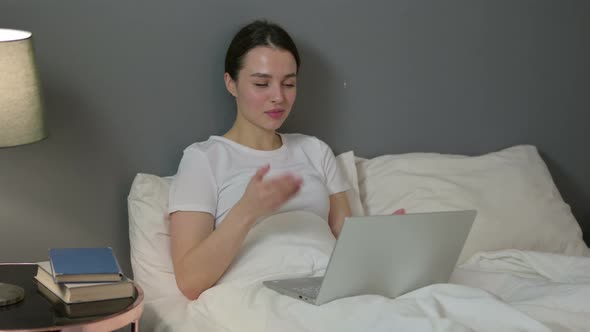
[84, 282]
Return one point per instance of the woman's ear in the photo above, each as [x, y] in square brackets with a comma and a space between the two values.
[230, 84]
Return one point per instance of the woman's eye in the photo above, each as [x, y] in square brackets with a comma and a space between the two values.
[261, 84]
[289, 85]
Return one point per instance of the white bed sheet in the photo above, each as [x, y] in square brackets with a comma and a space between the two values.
[507, 290]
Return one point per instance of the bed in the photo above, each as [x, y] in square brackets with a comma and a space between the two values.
[524, 266]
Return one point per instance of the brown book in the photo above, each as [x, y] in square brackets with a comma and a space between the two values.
[83, 292]
[87, 310]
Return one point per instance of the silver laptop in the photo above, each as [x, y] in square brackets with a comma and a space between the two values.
[386, 255]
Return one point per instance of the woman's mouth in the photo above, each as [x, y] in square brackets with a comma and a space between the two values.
[275, 114]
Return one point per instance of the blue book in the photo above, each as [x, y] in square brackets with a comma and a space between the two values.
[84, 265]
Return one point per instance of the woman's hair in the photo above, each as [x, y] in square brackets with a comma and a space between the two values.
[257, 33]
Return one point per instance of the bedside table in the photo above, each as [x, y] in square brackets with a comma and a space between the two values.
[37, 313]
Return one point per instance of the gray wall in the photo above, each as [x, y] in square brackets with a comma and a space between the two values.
[129, 84]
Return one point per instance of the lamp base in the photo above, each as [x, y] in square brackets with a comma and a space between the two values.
[10, 294]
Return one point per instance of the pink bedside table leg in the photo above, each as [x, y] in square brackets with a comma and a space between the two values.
[135, 326]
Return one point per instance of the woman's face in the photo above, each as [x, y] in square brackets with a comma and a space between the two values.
[266, 87]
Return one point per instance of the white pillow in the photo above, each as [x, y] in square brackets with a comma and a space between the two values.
[346, 161]
[149, 236]
[518, 205]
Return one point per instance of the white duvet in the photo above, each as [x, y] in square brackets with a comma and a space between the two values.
[494, 291]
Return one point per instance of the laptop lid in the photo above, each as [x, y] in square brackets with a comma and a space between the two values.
[394, 254]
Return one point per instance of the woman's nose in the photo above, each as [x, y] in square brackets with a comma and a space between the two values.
[277, 95]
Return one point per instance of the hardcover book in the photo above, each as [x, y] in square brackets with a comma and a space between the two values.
[67, 311]
[84, 265]
[83, 292]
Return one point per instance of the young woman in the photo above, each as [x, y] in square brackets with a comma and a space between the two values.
[226, 184]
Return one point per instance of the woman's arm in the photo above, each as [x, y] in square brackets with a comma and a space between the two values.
[200, 254]
[339, 209]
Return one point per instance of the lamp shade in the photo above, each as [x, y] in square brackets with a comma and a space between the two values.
[21, 103]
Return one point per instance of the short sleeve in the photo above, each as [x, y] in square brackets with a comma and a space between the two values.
[335, 180]
[194, 187]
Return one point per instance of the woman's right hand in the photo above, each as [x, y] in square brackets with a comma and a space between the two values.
[263, 197]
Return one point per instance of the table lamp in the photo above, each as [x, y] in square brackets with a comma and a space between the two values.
[21, 110]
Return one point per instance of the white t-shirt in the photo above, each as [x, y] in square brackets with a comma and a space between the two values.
[213, 175]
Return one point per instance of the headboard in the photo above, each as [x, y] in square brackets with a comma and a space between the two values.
[129, 84]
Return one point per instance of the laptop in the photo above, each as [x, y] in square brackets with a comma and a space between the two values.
[386, 255]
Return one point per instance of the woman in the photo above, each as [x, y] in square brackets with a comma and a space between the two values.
[226, 184]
